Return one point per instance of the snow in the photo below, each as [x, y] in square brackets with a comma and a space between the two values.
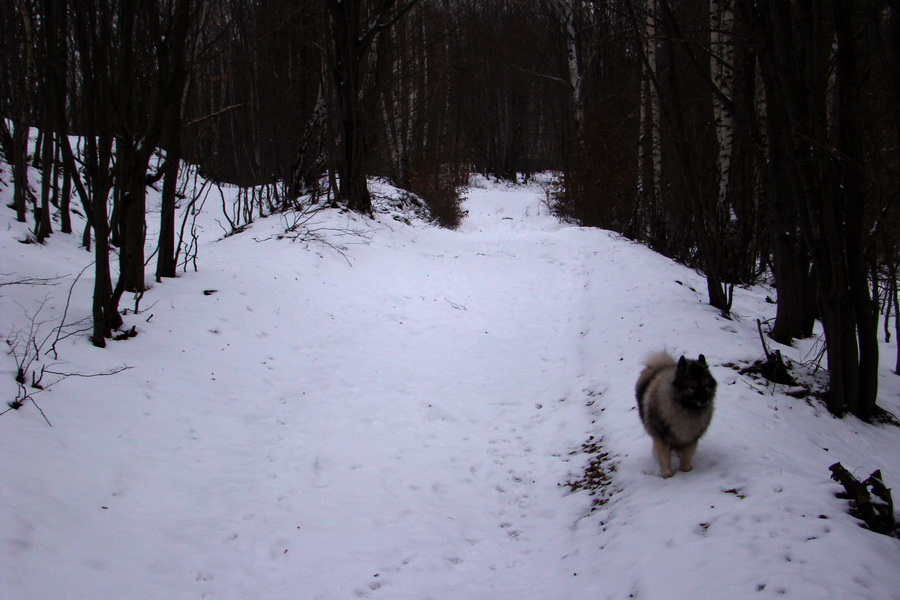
[396, 413]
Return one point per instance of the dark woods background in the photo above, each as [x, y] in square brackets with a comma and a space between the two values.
[745, 138]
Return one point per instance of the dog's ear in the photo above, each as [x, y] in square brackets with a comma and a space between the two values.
[682, 366]
[702, 360]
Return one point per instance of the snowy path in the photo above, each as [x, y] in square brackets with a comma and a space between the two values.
[399, 424]
[453, 375]
[322, 430]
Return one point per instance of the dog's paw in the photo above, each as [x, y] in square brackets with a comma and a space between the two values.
[686, 468]
[667, 473]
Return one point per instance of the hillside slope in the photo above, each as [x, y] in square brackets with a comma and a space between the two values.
[398, 419]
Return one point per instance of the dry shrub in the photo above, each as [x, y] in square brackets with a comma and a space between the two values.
[598, 187]
[438, 184]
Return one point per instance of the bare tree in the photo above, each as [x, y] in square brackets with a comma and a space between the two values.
[649, 222]
[354, 27]
[19, 71]
[176, 66]
[817, 153]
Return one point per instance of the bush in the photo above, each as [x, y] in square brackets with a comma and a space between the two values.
[438, 184]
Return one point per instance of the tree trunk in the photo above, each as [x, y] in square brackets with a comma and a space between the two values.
[706, 211]
[20, 169]
[348, 69]
[55, 111]
[43, 228]
[130, 208]
[851, 196]
[174, 92]
[22, 110]
[650, 223]
[92, 35]
[565, 10]
[65, 201]
[310, 156]
[354, 187]
[105, 313]
[165, 260]
[822, 158]
[355, 28]
[721, 22]
[795, 310]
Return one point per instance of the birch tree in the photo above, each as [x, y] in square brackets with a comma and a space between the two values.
[721, 57]
[403, 102]
[650, 220]
[565, 11]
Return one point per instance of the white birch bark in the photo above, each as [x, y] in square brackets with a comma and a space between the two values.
[400, 102]
[392, 110]
[389, 111]
[421, 73]
[641, 129]
[566, 11]
[649, 125]
[721, 21]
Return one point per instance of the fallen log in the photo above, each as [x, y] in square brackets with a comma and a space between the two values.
[870, 500]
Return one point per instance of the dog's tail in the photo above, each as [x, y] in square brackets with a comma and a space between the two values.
[653, 364]
[659, 360]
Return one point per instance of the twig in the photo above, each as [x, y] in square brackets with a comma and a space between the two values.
[27, 359]
[66, 311]
[299, 231]
[819, 348]
[18, 404]
[191, 210]
[762, 338]
[456, 306]
[199, 120]
[30, 280]
[40, 410]
[137, 301]
[24, 396]
[756, 389]
[87, 375]
[74, 331]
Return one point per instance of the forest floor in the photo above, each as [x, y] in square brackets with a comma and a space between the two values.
[381, 408]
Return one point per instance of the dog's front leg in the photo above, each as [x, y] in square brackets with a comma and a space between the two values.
[663, 454]
[686, 455]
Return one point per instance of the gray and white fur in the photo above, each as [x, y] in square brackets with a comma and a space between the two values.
[675, 402]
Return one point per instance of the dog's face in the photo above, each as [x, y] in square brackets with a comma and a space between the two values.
[694, 385]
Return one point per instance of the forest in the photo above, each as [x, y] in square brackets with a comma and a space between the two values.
[752, 140]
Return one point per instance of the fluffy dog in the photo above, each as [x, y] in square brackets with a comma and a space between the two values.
[675, 402]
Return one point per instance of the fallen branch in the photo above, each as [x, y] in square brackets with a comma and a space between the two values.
[30, 280]
[877, 513]
[104, 374]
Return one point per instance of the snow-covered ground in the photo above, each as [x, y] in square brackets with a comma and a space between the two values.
[399, 420]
